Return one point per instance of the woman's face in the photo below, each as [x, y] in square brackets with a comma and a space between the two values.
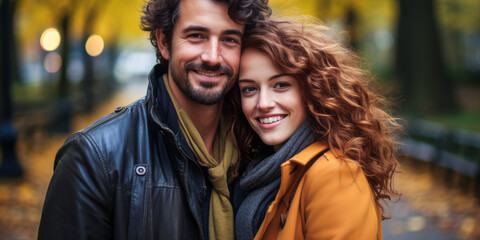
[271, 100]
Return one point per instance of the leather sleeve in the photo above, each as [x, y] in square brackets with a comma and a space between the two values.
[337, 202]
[77, 204]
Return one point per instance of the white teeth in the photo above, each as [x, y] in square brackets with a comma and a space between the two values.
[208, 74]
[270, 119]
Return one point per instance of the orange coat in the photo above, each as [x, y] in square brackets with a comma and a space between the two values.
[333, 201]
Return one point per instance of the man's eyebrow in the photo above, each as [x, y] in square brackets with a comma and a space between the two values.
[195, 28]
[232, 32]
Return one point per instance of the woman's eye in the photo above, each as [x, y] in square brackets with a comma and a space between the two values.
[248, 90]
[282, 85]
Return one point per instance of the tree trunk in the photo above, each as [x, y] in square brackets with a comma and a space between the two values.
[9, 166]
[420, 65]
[15, 66]
[6, 30]
[88, 79]
[64, 112]
[63, 85]
[351, 22]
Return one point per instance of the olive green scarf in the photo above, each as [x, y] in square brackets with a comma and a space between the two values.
[221, 217]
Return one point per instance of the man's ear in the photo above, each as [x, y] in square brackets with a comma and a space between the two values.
[162, 44]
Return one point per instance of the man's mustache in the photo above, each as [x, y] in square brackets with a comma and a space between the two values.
[205, 67]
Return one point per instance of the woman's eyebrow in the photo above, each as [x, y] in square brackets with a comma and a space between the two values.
[269, 79]
[245, 80]
[277, 76]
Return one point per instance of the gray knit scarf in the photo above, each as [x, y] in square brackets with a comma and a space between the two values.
[261, 181]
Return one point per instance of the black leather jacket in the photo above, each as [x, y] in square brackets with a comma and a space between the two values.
[129, 175]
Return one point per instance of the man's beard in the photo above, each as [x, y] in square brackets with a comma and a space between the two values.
[205, 95]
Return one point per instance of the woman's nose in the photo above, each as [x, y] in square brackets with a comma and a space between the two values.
[265, 101]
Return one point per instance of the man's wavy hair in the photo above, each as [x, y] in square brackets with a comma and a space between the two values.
[345, 112]
[164, 13]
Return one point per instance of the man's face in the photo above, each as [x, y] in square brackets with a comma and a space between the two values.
[205, 51]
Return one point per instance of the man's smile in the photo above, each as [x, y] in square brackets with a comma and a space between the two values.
[208, 74]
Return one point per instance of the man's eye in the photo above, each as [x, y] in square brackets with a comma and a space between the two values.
[231, 40]
[195, 36]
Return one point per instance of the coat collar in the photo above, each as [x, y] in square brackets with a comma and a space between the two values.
[292, 171]
[160, 106]
[308, 154]
[162, 111]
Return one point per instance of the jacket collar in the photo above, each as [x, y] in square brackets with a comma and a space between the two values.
[160, 106]
[308, 154]
[291, 173]
[162, 112]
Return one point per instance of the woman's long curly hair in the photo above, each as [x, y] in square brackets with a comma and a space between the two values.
[345, 111]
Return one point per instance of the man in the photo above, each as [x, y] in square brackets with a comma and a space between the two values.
[158, 169]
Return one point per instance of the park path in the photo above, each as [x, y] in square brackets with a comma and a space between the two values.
[431, 208]
[427, 210]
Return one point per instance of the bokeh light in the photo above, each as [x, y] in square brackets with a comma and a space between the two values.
[94, 45]
[52, 62]
[416, 223]
[50, 39]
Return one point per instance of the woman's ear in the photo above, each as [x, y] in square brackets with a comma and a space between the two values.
[162, 44]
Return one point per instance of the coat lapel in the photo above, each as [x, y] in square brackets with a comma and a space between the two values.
[291, 172]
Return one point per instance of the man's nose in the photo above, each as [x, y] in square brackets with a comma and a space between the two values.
[211, 53]
[265, 101]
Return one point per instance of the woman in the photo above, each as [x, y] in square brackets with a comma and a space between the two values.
[320, 148]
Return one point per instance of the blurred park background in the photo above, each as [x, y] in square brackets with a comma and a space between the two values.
[64, 64]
